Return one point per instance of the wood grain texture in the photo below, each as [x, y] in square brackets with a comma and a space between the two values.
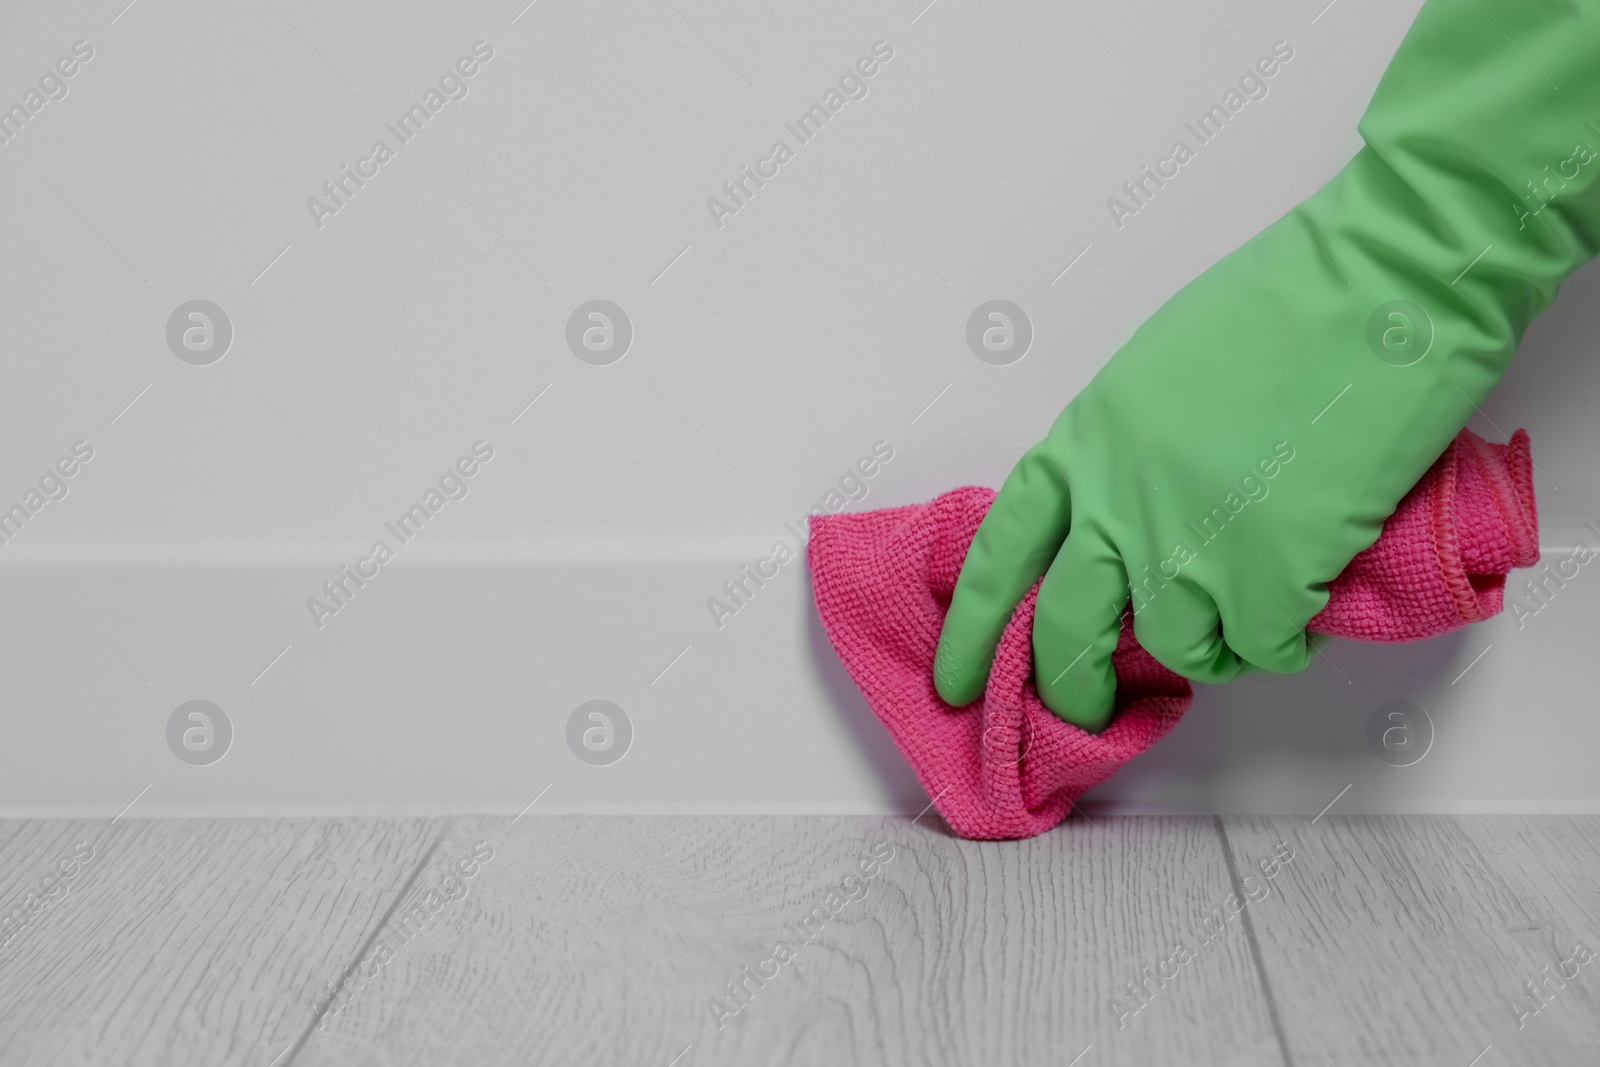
[577, 939]
[1401, 940]
[604, 940]
[187, 941]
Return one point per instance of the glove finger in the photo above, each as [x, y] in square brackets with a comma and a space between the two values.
[1261, 629]
[1075, 628]
[1014, 545]
[1177, 622]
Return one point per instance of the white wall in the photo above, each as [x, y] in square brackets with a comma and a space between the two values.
[768, 356]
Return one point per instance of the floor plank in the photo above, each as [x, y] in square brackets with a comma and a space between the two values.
[187, 941]
[1395, 940]
[590, 939]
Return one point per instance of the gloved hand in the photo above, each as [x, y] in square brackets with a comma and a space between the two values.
[1254, 434]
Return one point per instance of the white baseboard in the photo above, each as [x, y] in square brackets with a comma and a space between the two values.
[446, 683]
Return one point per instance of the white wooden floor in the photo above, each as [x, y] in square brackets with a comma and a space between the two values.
[604, 940]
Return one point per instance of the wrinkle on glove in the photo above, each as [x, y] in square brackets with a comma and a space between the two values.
[1005, 766]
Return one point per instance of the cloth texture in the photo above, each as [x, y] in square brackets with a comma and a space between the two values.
[1005, 766]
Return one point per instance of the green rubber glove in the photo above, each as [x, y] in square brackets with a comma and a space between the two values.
[1254, 434]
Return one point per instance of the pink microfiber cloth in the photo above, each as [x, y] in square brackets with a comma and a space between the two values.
[1005, 766]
